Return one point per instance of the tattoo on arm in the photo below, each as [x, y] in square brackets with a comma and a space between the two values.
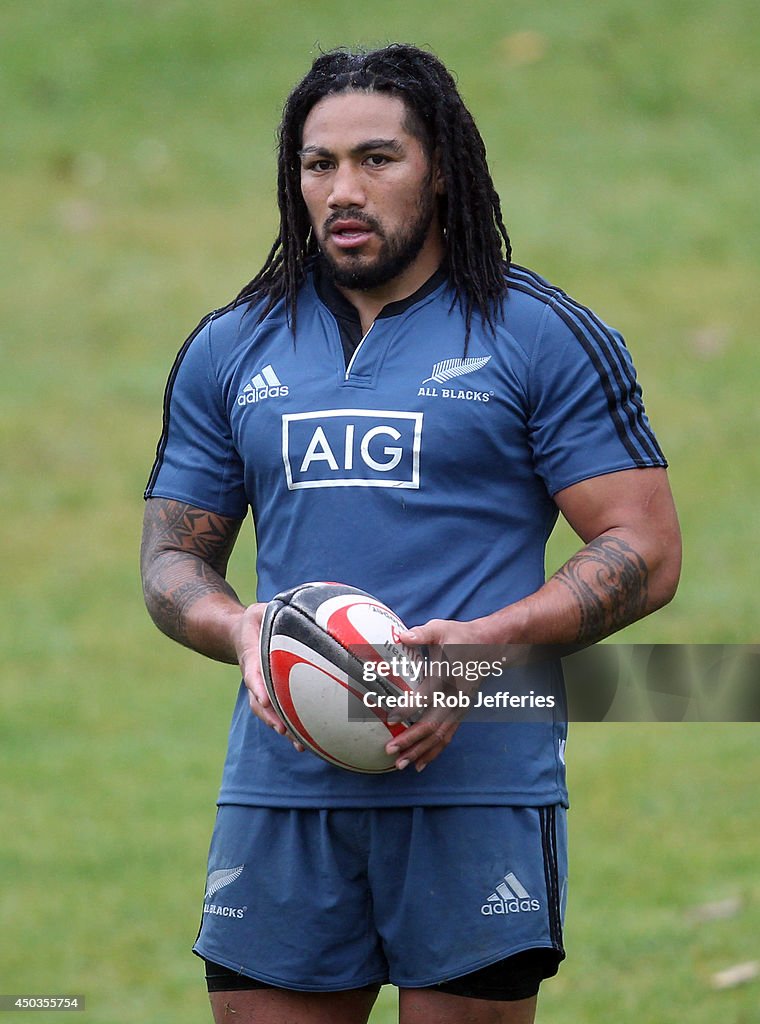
[610, 583]
[184, 556]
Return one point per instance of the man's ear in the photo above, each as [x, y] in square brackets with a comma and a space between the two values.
[439, 182]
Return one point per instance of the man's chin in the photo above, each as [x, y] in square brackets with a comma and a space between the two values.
[357, 272]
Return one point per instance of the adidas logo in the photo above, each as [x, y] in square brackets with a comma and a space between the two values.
[509, 897]
[265, 384]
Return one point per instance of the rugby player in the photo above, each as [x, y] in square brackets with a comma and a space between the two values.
[405, 410]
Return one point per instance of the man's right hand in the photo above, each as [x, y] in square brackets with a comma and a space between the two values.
[249, 659]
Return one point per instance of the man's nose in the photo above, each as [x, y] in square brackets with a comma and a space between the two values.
[347, 187]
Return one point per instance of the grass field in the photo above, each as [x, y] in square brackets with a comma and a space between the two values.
[137, 163]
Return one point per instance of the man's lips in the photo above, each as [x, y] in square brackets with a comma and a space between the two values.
[349, 234]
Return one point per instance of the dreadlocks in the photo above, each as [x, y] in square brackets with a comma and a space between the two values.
[470, 211]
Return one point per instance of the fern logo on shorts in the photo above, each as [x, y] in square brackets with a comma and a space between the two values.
[219, 880]
[509, 897]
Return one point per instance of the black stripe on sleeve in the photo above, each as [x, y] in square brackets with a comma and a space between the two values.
[616, 376]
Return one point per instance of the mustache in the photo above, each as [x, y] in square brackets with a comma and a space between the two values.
[351, 214]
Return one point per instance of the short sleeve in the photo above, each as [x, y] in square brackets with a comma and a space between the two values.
[196, 460]
[587, 416]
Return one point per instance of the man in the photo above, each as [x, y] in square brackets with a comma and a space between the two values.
[404, 412]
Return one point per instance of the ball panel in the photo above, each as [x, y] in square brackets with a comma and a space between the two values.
[369, 629]
[309, 596]
[323, 707]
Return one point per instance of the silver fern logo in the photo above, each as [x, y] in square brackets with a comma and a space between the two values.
[448, 369]
[445, 380]
[219, 879]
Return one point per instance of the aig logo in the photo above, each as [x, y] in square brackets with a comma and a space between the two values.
[352, 448]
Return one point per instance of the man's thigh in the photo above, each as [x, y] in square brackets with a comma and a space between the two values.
[416, 1006]
[423, 1006]
[280, 1006]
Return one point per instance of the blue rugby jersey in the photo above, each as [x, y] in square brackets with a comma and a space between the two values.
[420, 473]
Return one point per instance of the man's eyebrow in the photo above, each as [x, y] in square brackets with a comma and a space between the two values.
[363, 147]
[392, 144]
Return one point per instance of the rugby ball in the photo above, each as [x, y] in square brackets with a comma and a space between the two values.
[322, 645]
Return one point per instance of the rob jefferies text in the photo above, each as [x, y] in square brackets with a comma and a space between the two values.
[412, 684]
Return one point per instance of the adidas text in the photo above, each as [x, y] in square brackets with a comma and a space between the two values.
[257, 394]
[509, 897]
[509, 907]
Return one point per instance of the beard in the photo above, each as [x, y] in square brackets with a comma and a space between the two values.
[397, 253]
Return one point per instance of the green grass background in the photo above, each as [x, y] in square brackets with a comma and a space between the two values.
[137, 162]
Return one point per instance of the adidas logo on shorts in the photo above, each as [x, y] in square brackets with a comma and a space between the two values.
[509, 897]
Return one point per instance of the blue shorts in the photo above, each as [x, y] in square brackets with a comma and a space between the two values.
[326, 900]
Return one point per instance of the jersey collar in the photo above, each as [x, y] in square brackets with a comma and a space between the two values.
[347, 315]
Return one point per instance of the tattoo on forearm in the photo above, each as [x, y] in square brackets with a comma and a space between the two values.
[610, 583]
[182, 581]
[173, 525]
[184, 557]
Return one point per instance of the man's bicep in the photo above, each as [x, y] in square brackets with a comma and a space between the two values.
[175, 526]
[638, 499]
[631, 560]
